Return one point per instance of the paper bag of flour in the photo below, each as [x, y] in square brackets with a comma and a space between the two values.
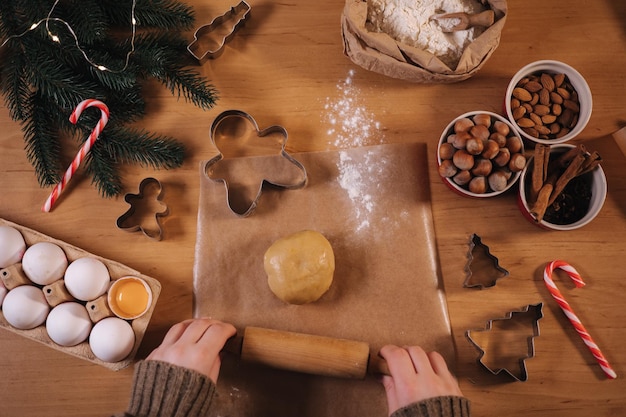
[369, 47]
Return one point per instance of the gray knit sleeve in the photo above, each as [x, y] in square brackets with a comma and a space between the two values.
[161, 389]
[446, 406]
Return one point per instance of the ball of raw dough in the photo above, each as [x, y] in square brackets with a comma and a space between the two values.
[300, 267]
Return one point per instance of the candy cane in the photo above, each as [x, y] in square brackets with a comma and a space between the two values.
[104, 118]
[578, 281]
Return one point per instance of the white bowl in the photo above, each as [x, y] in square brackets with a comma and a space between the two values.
[598, 195]
[577, 81]
[463, 190]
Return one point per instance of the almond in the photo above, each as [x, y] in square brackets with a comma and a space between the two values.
[544, 97]
[563, 92]
[533, 86]
[525, 122]
[547, 81]
[541, 110]
[519, 112]
[548, 119]
[522, 94]
[558, 79]
[572, 105]
[555, 97]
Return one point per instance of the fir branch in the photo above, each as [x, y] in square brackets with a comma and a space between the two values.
[15, 87]
[160, 14]
[103, 170]
[144, 148]
[42, 146]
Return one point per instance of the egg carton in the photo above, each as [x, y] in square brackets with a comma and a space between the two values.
[98, 309]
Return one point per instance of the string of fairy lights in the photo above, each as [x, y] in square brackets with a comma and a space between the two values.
[55, 38]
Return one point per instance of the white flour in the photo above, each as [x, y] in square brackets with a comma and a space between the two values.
[409, 22]
[351, 125]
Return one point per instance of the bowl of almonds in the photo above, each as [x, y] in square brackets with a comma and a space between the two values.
[480, 154]
[548, 102]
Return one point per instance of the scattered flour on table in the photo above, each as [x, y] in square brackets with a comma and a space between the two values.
[351, 124]
[362, 179]
[409, 22]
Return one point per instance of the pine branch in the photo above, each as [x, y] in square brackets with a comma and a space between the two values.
[144, 148]
[42, 146]
[42, 81]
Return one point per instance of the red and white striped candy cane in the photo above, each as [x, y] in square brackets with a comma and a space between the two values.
[578, 281]
[95, 133]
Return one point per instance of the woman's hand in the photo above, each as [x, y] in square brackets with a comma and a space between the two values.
[415, 376]
[195, 344]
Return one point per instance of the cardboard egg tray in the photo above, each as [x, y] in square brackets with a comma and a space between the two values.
[116, 270]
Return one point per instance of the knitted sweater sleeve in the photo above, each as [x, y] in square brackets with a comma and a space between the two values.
[161, 389]
[446, 406]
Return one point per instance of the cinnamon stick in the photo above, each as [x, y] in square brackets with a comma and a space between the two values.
[540, 171]
[541, 205]
[571, 171]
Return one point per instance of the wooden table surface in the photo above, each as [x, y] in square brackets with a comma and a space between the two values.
[287, 67]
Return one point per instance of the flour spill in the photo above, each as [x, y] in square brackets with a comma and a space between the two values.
[351, 124]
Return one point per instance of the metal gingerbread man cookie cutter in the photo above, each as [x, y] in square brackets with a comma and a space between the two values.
[227, 126]
[208, 41]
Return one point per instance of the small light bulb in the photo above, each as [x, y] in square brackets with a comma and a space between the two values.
[102, 67]
[55, 38]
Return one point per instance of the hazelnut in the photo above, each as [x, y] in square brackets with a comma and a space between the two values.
[499, 138]
[497, 181]
[491, 149]
[502, 128]
[458, 140]
[474, 146]
[482, 119]
[514, 144]
[462, 177]
[447, 168]
[446, 150]
[463, 125]
[463, 160]
[482, 167]
[478, 185]
[480, 131]
[503, 157]
[517, 162]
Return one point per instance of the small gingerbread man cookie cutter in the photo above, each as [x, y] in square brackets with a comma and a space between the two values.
[208, 34]
[140, 207]
[227, 126]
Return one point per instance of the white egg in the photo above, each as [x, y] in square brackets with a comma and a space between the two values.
[68, 324]
[112, 339]
[87, 279]
[44, 262]
[3, 292]
[12, 246]
[25, 307]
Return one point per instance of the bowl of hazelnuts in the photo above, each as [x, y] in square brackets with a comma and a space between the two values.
[480, 154]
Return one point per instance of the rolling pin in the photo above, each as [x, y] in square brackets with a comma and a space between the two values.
[317, 355]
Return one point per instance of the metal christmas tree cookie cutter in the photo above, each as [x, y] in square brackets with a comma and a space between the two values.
[239, 127]
[501, 348]
[141, 210]
[208, 43]
[486, 265]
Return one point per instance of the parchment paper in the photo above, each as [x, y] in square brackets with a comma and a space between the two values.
[373, 204]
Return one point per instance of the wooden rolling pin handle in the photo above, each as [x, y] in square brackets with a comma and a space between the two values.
[305, 353]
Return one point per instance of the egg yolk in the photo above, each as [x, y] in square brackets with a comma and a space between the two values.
[130, 298]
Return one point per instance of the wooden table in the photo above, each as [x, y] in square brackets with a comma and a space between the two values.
[287, 67]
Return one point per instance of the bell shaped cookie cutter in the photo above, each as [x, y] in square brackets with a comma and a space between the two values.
[485, 262]
[226, 125]
[139, 206]
[236, 16]
[531, 313]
